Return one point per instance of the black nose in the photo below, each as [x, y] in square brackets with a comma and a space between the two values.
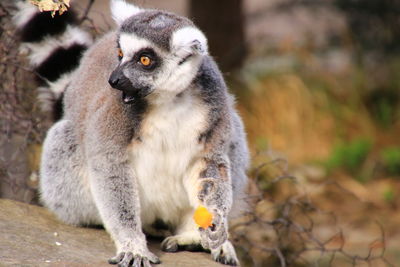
[113, 81]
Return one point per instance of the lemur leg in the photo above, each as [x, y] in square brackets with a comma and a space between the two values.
[64, 186]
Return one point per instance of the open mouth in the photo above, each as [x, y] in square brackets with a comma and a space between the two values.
[128, 98]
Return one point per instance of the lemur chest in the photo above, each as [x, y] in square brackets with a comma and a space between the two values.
[164, 158]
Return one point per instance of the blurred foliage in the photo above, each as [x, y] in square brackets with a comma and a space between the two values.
[382, 105]
[374, 24]
[389, 195]
[391, 160]
[349, 155]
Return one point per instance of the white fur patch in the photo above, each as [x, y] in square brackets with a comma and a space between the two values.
[185, 42]
[40, 51]
[60, 84]
[165, 157]
[176, 78]
[25, 12]
[46, 98]
[186, 37]
[48, 95]
[121, 10]
[130, 44]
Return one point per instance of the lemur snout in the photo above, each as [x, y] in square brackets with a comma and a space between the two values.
[130, 92]
[113, 81]
[120, 82]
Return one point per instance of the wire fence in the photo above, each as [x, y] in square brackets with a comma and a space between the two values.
[291, 230]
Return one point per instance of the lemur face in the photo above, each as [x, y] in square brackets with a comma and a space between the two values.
[158, 52]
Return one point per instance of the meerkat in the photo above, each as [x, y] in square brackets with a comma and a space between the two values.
[149, 133]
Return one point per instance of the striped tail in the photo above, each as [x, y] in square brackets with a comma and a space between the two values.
[54, 47]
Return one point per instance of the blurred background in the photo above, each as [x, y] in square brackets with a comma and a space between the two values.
[317, 84]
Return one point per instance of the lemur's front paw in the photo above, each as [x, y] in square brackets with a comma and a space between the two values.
[225, 254]
[215, 235]
[127, 259]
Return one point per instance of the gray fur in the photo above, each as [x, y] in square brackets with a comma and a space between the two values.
[91, 173]
[156, 26]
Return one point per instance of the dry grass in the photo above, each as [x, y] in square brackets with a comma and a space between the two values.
[283, 112]
[289, 115]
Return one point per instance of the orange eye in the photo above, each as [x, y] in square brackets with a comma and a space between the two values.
[120, 54]
[146, 61]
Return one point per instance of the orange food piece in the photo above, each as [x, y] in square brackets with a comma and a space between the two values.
[203, 217]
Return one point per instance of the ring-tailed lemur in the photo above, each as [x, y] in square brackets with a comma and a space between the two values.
[55, 46]
[149, 133]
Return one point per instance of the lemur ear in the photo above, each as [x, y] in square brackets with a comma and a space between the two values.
[189, 40]
[121, 10]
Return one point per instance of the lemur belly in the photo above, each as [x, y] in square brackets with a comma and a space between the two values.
[166, 157]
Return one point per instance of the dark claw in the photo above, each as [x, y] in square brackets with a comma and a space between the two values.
[156, 261]
[126, 261]
[116, 259]
[232, 263]
[169, 245]
[172, 248]
[146, 262]
[137, 262]
[212, 227]
[224, 260]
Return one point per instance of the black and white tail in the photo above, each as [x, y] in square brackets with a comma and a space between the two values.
[54, 47]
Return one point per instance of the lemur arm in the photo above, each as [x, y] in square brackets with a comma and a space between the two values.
[115, 191]
[214, 185]
[210, 184]
[215, 192]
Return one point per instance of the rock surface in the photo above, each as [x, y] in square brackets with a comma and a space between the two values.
[32, 236]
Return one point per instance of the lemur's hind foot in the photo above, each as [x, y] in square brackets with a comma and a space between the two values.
[189, 241]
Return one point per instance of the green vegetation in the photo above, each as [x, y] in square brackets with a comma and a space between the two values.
[389, 195]
[391, 160]
[349, 155]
